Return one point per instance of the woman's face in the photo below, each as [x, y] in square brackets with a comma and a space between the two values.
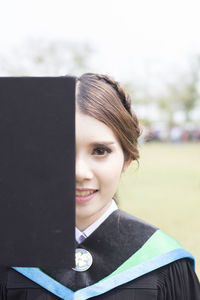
[99, 163]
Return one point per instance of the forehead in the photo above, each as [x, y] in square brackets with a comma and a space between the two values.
[90, 129]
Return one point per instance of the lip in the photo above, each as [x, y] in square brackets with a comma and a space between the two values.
[83, 199]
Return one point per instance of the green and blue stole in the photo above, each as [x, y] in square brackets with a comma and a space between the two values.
[159, 250]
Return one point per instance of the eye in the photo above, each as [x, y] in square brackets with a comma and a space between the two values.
[101, 151]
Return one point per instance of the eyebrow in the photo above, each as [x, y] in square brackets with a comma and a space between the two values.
[103, 143]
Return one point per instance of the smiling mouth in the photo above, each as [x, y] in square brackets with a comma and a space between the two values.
[85, 193]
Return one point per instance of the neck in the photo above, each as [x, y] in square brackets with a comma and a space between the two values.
[84, 222]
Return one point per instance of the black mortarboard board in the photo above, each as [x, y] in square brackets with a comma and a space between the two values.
[37, 171]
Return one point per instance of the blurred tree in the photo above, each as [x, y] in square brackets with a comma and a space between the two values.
[186, 90]
[168, 105]
[46, 58]
[182, 95]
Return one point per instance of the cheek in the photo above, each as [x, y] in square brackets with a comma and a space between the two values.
[108, 174]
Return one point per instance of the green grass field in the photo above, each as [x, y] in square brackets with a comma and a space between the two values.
[165, 191]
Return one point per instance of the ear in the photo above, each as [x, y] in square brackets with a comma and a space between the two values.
[126, 164]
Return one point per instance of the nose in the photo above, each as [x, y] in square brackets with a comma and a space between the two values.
[83, 170]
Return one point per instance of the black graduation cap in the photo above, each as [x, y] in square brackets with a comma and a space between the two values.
[37, 171]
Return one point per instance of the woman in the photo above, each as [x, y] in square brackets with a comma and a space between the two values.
[118, 256]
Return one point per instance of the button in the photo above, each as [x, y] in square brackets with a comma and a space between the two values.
[83, 260]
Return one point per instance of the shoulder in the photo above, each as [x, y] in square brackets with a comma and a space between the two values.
[175, 281]
[149, 235]
[177, 274]
[179, 279]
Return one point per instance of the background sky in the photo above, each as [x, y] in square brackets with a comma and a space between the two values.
[143, 40]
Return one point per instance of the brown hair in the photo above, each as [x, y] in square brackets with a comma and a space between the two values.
[104, 99]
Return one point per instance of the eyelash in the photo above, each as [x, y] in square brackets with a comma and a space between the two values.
[100, 149]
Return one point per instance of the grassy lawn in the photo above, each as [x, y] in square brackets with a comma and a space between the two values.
[165, 191]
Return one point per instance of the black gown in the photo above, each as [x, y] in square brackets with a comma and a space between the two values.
[111, 244]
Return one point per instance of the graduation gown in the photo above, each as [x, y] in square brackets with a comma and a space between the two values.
[131, 260]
